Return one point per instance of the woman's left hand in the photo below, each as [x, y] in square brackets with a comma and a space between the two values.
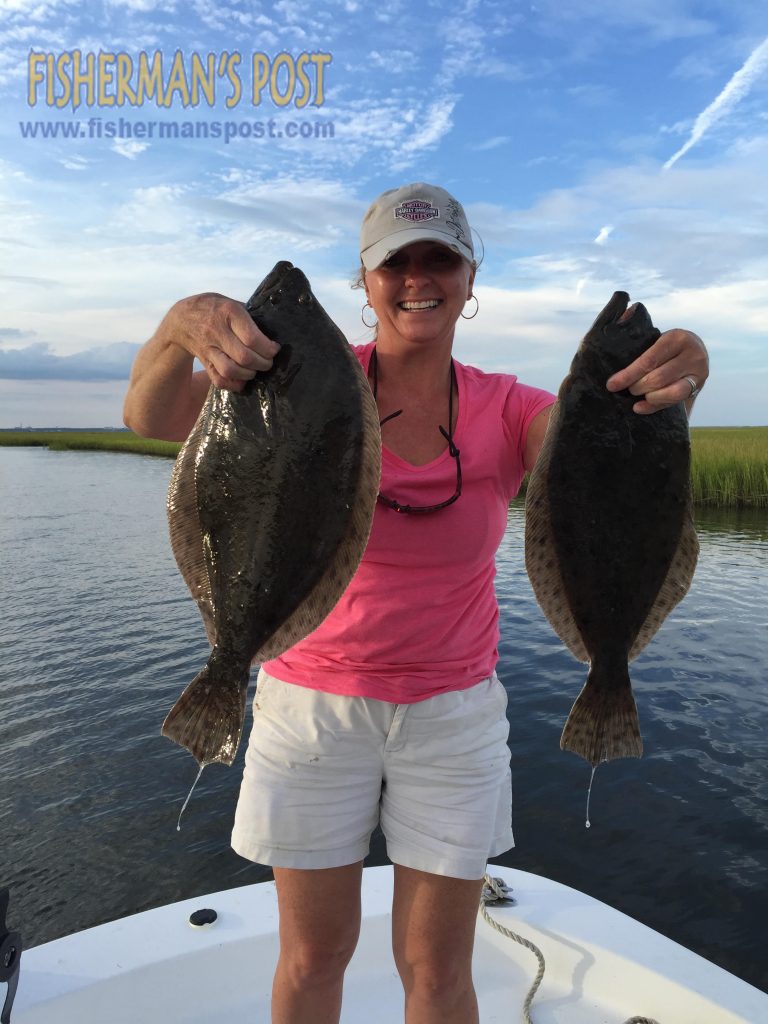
[660, 373]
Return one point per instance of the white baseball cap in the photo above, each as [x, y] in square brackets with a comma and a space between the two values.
[413, 213]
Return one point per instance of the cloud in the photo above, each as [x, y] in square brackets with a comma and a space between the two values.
[40, 362]
[602, 236]
[736, 88]
[669, 231]
[13, 334]
[493, 143]
[661, 20]
[395, 62]
[129, 148]
[430, 129]
[75, 163]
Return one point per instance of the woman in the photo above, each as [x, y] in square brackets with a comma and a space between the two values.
[391, 711]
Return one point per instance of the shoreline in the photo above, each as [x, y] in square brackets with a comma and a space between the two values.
[729, 466]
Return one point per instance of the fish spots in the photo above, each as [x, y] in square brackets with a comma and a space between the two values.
[609, 546]
[266, 536]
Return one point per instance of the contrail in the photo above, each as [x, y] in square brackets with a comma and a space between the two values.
[737, 87]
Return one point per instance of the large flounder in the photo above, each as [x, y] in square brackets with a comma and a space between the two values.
[270, 506]
[610, 546]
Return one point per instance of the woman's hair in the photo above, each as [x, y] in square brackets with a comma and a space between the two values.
[358, 281]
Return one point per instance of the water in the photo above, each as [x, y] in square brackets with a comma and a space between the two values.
[100, 635]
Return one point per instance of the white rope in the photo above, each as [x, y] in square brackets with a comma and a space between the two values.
[492, 884]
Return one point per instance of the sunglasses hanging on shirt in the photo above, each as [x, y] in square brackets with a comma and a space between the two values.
[453, 451]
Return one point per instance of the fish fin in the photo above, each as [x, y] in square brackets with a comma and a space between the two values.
[673, 589]
[326, 593]
[603, 722]
[541, 554]
[208, 717]
[184, 526]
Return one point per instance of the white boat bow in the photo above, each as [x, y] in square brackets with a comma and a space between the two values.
[602, 967]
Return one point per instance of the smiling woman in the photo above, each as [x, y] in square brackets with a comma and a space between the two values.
[398, 682]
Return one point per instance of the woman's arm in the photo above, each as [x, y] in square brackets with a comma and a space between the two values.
[534, 439]
[165, 395]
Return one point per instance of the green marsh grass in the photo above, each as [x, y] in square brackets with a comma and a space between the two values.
[729, 465]
[95, 440]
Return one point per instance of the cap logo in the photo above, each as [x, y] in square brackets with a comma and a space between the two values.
[415, 210]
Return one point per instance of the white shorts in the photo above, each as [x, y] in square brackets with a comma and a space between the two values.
[323, 770]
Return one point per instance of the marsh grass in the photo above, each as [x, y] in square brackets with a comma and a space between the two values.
[96, 440]
[729, 465]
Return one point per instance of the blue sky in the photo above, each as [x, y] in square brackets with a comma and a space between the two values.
[595, 146]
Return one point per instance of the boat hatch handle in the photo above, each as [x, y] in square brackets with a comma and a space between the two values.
[203, 918]
[10, 959]
[497, 893]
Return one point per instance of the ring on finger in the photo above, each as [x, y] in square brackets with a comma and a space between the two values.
[694, 387]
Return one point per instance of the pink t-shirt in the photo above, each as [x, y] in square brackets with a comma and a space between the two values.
[420, 615]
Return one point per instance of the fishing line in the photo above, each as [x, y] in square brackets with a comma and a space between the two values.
[189, 794]
[588, 823]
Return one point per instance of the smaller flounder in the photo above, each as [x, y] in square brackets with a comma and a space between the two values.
[610, 546]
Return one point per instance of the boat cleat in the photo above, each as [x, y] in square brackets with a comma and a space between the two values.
[496, 893]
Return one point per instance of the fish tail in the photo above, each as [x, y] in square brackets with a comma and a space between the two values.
[603, 722]
[208, 717]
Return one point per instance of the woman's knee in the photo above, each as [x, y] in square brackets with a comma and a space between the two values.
[311, 961]
[319, 922]
[435, 977]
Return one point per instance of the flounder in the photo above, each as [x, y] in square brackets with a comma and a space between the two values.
[270, 506]
[610, 546]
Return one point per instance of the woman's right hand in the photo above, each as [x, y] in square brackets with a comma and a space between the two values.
[220, 333]
[165, 394]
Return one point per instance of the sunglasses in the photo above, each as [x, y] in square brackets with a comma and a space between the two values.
[415, 510]
[453, 451]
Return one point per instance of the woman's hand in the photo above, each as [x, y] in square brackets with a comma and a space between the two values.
[220, 333]
[660, 375]
[165, 395]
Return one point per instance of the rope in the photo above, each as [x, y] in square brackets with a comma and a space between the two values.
[496, 889]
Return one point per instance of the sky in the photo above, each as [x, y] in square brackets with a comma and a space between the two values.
[595, 146]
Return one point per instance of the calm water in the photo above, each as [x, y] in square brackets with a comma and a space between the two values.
[100, 635]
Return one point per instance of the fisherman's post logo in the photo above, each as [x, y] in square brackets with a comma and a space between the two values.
[416, 210]
[111, 80]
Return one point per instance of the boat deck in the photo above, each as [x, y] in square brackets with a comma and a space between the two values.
[602, 967]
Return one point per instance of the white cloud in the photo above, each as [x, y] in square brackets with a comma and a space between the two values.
[129, 148]
[736, 89]
[75, 163]
[431, 125]
[669, 231]
[493, 143]
[603, 234]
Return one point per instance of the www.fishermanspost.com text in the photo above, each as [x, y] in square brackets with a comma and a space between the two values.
[95, 128]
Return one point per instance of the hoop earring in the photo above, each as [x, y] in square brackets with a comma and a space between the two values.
[477, 308]
[362, 317]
